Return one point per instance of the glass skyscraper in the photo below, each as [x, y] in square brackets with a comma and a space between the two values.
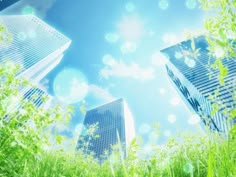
[35, 45]
[115, 122]
[6, 3]
[197, 82]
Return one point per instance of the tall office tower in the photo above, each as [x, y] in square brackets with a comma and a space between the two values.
[6, 3]
[115, 122]
[197, 82]
[35, 45]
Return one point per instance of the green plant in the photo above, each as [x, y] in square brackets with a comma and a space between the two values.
[24, 127]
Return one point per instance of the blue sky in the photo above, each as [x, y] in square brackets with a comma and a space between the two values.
[115, 48]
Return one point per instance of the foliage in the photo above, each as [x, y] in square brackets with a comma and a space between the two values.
[24, 127]
[190, 155]
[221, 28]
[5, 35]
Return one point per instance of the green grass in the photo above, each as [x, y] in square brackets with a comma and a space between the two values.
[192, 156]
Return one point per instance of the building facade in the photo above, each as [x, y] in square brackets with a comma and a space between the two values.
[6, 3]
[37, 47]
[115, 125]
[198, 84]
[33, 44]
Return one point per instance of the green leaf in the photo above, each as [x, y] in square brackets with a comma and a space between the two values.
[59, 139]
[233, 113]
[215, 109]
[2, 28]
[222, 35]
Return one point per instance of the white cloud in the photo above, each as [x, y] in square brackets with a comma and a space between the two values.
[108, 60]
[170, 38]
[159, 59]
[128, 47]
[171, 118]
[121, 69]
[131, 28]
[78, 89]
[100, 93]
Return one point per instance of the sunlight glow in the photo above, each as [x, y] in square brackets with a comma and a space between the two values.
[108, 60]
[162, 91]
[175, 101]
[167, 133]
[188, 168]
[22, 112]
[70, 86]
[231, 35]
[147, 150]
[171, 118]
[10, 103]
[32, 34]
[28, 10]
[190, 62]
[128, 47]
[112, 37]
[178, 55]
[163, 4]
[194, 119]
[191, 4]
[151, 33]
[130, 7]
[21, 36]
[153, 137]
[144, 128]
[169, 38]
[131, 28]
[60, 127]
[219, 52]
